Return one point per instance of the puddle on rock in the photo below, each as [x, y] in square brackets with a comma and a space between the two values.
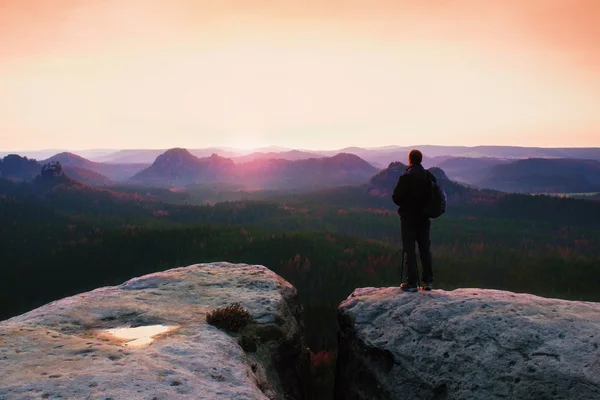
[140, 336]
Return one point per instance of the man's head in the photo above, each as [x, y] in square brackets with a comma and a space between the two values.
[415, 157]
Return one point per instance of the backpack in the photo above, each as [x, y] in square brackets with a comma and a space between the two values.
[436, 205]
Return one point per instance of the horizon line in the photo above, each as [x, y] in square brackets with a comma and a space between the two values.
[284, 148]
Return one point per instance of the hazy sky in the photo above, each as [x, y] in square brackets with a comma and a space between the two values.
[312, 74]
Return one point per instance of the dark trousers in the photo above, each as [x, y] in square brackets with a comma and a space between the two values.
[416, 230]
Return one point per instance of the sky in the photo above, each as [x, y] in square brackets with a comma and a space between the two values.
[311, 74]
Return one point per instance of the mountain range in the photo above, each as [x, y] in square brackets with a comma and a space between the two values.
[72, 163]
[178, 167]
[149, 156]
[382, 156]
[530, 175]
[538, 175]
[295, 169]
[468, 170]
[377, 156]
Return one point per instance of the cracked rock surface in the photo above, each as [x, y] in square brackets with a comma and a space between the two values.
[466, 344]
[63, 350]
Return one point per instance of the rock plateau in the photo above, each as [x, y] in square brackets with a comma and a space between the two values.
[466, 344]
[148, 339]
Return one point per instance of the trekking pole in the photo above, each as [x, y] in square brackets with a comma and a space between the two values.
[402, 267]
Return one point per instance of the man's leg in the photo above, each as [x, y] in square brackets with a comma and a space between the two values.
[423, 239]
[408, 231]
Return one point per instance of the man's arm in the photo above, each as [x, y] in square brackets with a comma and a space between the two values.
[399, 193]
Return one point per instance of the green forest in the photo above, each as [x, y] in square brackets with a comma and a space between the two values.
[60, 238]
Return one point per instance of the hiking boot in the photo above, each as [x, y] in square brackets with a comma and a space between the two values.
[407, 287]
[426, 286]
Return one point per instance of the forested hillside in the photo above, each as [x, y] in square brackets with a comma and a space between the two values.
[65, 238]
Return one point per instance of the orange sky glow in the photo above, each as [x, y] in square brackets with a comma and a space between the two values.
[310, 74]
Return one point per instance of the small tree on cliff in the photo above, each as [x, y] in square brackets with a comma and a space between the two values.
[51, 171]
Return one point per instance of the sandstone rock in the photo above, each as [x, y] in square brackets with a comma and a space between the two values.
[68, 349]
[466, 344]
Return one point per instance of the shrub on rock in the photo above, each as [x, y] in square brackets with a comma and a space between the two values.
[232, 318]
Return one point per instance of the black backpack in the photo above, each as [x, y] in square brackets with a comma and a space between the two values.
[436, 205]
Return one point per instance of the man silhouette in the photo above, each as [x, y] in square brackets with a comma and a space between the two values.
[411, 196]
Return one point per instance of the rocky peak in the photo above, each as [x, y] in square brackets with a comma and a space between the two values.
[439, 174]
[398, 166]
[384, 182]
[216, 160]
[149, 339]
[176, 157]
[466, 344]
[51, 171]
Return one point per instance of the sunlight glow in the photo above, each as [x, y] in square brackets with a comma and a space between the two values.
[308, 75]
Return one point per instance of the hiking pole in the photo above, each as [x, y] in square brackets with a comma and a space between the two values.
[402, 267]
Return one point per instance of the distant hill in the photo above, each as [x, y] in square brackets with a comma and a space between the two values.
[341, 169]
[17, 168]
[516, 152]
[87, 176]
[143, 156]
[91, 154]
[204, 153]
[385, 155]
[70, 160]
[291, 155]
[538, 175]
[178, 167]
[103, 172]
[469, 170]
[270, 149]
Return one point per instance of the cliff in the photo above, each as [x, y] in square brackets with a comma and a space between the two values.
[466, 344]
[148, 339]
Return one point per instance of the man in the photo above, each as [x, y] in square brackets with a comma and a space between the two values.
[411, 196]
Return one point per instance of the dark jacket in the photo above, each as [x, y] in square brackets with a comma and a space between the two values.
[413, 191]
